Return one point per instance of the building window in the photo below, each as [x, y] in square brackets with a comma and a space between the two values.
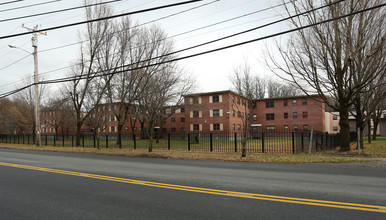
[183, 130]
[285, 114]
[182, 119]
[216, 98]
[285, 103]
[112, 128]
[126, 128]
[52, 129]
[304, 101]
[196, 127]
[216, 127]
[286, 128]
[196, 114]
[254, 117]
[182, 109]
[334, 117]
[305, 114]
[270, 129]
[234, 127]
[294, 102]
[173, 120]
[164, 130]
[239, 127]
[239, 114]
[295, 115]
[269, 104]
[335, 128]
[270, 116]
[173, 130]
[305, 127]
[196, 100]
[216, 112]
[295, 127]
[234, 113]
[238, 101]
[112, 118]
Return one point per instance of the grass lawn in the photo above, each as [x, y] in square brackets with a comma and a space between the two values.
[377, 149]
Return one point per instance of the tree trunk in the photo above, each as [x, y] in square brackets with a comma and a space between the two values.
[376, 123]
[369, 130]
[78, 133]
[243, 148]
[344, 130]
[119, 139]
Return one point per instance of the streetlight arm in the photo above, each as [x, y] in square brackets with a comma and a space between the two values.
[14, 47]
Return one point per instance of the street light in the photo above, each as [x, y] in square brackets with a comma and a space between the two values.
[36, 88]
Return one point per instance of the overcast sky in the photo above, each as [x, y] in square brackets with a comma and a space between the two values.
[211, 71]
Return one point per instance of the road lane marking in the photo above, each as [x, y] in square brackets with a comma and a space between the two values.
[294, 200]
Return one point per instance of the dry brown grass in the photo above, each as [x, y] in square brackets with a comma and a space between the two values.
[192, 155]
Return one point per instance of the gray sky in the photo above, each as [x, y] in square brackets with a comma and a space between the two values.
[211, 70]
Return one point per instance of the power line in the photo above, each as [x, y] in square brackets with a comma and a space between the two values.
[105, 18]
[28, 6]
[15, 62]
[139, 25]
[68, 79]
[57, 11]
[229, 36]
[5, 3]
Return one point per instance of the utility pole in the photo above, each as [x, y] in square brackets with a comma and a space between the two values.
[36, 81]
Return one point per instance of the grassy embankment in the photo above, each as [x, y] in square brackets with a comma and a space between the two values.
[377, 149]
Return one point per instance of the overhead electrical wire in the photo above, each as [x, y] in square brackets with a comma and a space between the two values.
[68, 79]
[5, 3]
[136, 26]
[101, 19]
[58, 11]
[229, 36]
[28, 6]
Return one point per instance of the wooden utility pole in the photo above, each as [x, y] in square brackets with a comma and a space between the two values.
[36, 80]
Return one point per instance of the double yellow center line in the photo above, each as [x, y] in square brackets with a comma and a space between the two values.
[323, 203]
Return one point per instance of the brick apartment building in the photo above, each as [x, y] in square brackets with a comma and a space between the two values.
[219, 111]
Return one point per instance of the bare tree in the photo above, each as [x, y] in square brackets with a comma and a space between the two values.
[97, 122]
[250, 88]
[137, 48]
[86, 90]
[319, 59]
[166, 87]
[277, 89]
[26, 98]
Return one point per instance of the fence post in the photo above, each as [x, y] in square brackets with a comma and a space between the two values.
[235, 142]
[302, 142]
[135, 141]
[63, 139]
[46, 140]
[262, 142]
[168, 141]
[94, 140]
[18, 139]
[211, 142]
[23, 138]
[326, 140]
[28, 138]
[72, 140]
[107, 141]
[82, 140]
[293, 142]
[54, 140]
[188, 141]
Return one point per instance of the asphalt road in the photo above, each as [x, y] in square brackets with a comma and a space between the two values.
[200, 190]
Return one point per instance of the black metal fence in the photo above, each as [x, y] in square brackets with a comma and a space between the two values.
[260, 142]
